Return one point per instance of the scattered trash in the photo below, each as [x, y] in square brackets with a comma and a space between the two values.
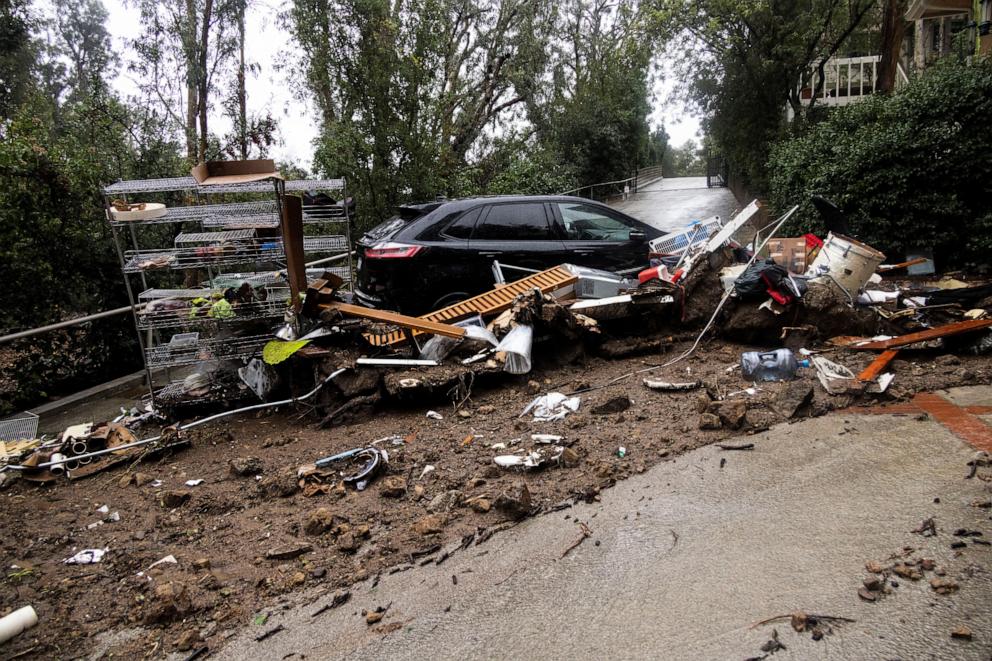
[621, 452]
[167, 560]
[533, 459]
[553, 406]
[666, 385]
[961, 632]
[434, 415]
[517, 347]
[778, 365]
[428, 469]
[543, 438]
[835, 378]
[17, 622]
[194, 483]
[735, 446]
[87, 557]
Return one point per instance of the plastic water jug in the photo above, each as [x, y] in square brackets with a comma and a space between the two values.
[778, 365]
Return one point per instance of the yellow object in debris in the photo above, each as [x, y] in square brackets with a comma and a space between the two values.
[221, 310]
[277, 351]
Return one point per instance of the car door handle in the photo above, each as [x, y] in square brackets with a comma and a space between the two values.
[492, 253]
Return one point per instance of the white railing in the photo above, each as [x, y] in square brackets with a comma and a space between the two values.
[845, 80]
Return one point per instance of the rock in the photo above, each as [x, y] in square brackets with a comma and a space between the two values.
[319, 522]
[962, 632]
[418, 492]
[363, 531]
[187, 639]
[709, 421]
[209, 630]
[318, 573]
[946, 360]
[926, 564]
[169, 602]
[246, 466]
[173, 498]
[445, 502]
[905, 571]
[486, 409]
[372, 617]
[732, 414]
[464, 413]
[867, 594]
[141, 479]
[703, 402]
[480, 505]
[201, 563]
[348, 543]
[533, 387]
[288, 552]
[393, 486]
[570, 458]
[428, 525]
[873, 583]
[874, 567]
[282, 485]
[615, 405]
[943, 585]
[515, 501]
[795, 396]
[298, 578]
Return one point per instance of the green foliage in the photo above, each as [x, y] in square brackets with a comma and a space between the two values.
[689, 160]
[910, 170]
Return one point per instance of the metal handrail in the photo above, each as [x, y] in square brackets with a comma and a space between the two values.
[68, 323]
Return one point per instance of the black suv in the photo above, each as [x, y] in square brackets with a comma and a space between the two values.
[432, 255]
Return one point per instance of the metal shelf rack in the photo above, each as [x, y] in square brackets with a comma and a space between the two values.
[215, 228]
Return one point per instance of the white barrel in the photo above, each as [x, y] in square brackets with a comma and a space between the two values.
[18, 621]
[849, 262]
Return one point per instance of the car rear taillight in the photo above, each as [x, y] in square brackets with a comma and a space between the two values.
[391, 250]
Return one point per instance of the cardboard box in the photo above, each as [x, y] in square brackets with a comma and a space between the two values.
[789, 252]
[213, 173]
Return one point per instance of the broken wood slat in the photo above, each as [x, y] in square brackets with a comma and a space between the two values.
[885, 268]
[878, 365]
[488, 303]
[416, 323]
[922, 336]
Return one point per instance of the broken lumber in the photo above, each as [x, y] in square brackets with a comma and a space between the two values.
[416, 323]
[878, 365]
[922, 336]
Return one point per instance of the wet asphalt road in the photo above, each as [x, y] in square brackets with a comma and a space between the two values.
[685, 559]
[670, 204]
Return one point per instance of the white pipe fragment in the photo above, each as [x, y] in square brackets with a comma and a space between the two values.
[666, 385]
[20, 620]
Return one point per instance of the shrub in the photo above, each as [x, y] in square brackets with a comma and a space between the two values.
[913, 169]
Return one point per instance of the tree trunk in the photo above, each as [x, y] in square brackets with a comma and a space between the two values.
[893, 30]
[192, 100]
[242, 93]
[202, 77]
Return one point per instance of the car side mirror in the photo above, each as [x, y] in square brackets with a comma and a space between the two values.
[637, 236]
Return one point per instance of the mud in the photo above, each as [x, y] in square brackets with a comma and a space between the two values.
[249, 540]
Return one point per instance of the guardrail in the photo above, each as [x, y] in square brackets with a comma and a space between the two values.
[619, 187]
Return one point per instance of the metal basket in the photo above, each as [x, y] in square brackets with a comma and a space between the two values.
[23, 426]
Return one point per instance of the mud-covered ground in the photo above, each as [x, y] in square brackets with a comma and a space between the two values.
[245, 545]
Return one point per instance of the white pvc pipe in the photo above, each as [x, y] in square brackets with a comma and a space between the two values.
[20, 620]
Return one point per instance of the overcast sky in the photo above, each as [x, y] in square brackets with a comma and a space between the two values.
[270, 89]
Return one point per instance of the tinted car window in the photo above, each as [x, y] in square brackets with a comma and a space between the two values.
[521, 222]
[461, 227]
[584, 222]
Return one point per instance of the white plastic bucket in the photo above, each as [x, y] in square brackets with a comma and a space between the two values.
[849, 262]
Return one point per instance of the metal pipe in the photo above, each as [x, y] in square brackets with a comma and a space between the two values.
[332, 258]
[64, 324]
[195, 423]
[79, 447]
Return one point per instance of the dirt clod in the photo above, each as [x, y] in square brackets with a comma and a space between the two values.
[174, 498]
[393, 486]
[709, 421]
[446, 501]
[319, 521]
[515, 501]
[246, 466]
[170, 601]
[428, 525]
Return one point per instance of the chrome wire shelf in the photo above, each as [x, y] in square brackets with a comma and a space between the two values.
[264, 278]
[215, 348]
[273, 307]
[136, 261]
[179, 184]
[222, 236]
[235, 214]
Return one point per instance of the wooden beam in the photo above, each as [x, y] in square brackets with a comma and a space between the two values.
[878, 365]
[291, 222]
[415, 323]
[930, 334]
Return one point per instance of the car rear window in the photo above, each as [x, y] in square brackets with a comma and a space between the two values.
[514, 222]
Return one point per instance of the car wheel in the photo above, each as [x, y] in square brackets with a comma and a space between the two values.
[449, 299]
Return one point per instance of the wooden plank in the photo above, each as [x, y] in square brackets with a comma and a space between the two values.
[878, 365]
[488, 303]
[416, 323]
[922, 336]
[291, 220]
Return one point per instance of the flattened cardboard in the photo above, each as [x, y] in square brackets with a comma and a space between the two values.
[213, 173]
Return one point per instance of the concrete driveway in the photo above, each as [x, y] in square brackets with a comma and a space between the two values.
[670, 204]
[685, 559]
